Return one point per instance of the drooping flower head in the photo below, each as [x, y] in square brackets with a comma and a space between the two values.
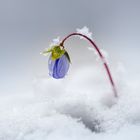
[59, 59]
[58, 62]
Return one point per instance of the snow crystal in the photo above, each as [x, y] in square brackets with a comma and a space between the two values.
[84, 31]
[104, 53]
[55, 41]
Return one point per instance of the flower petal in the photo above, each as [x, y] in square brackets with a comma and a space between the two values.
[58, 68]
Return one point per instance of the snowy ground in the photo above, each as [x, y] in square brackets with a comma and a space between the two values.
[80, 107]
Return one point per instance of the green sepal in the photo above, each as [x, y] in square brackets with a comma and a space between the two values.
[47, 51]
[57, 52]
[67, 55]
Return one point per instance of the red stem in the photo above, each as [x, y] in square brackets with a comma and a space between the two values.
[101, 56]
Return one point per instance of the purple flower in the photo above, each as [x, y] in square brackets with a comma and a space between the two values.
[58, 68]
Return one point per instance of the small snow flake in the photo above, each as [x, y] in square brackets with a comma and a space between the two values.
[84, 31]
[55, 41]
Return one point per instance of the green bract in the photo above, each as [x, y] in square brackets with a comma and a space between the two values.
[57, 52]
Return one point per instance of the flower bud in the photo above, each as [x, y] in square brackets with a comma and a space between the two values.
[58, 68]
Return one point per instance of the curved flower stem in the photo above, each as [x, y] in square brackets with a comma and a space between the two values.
[101, 56]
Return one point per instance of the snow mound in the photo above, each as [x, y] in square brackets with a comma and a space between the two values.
[80, 107]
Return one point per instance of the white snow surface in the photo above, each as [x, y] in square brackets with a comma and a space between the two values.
[79, 107]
